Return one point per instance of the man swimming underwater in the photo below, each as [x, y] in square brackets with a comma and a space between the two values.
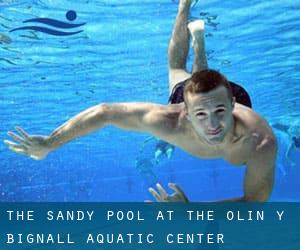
[292, 129]
[209, 119]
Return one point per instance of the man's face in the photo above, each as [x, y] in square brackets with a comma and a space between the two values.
[210, 114]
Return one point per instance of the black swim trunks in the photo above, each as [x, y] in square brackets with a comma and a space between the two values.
[240, 94]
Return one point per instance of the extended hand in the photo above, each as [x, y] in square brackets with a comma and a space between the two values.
[32, 146]
[163, 196]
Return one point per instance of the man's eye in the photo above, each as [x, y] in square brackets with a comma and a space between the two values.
[219, 111]
[201, 114]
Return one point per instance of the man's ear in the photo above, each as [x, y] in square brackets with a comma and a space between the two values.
[188, 116]
[233, 101]
[186, 113]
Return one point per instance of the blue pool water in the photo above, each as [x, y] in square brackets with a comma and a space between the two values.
[120, 56]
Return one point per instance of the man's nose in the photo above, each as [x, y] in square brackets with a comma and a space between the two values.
[213, 123]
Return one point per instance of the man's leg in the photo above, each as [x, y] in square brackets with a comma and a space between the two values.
[179, 46]
[196, 29]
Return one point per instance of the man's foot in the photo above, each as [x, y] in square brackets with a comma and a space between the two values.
[196, 29]
[191, 3]
[157, 156]
[170, 152]
[183, 3]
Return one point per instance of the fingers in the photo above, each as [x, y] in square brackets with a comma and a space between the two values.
[22, 137]
[16, 137]
[161, 195]
[35, 157]
[177, 189]
[23, 133]
[20, 149]
[162, 192]
[154, 194]
[11, 144]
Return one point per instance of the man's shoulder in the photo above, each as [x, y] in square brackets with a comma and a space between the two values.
[252, 124]
[166, 122]
[167, 115]
[249, 119]
[255, 133]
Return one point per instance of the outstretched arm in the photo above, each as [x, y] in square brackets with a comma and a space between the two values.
[146, 117]
[258, 180]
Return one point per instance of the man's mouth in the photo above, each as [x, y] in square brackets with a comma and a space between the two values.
[215, 131]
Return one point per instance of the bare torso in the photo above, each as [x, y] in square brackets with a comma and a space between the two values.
[248, 132]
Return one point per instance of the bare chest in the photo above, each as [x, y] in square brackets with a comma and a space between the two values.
[238, 153]
[235, 153]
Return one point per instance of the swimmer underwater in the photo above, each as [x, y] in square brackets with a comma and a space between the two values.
[208, 117]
